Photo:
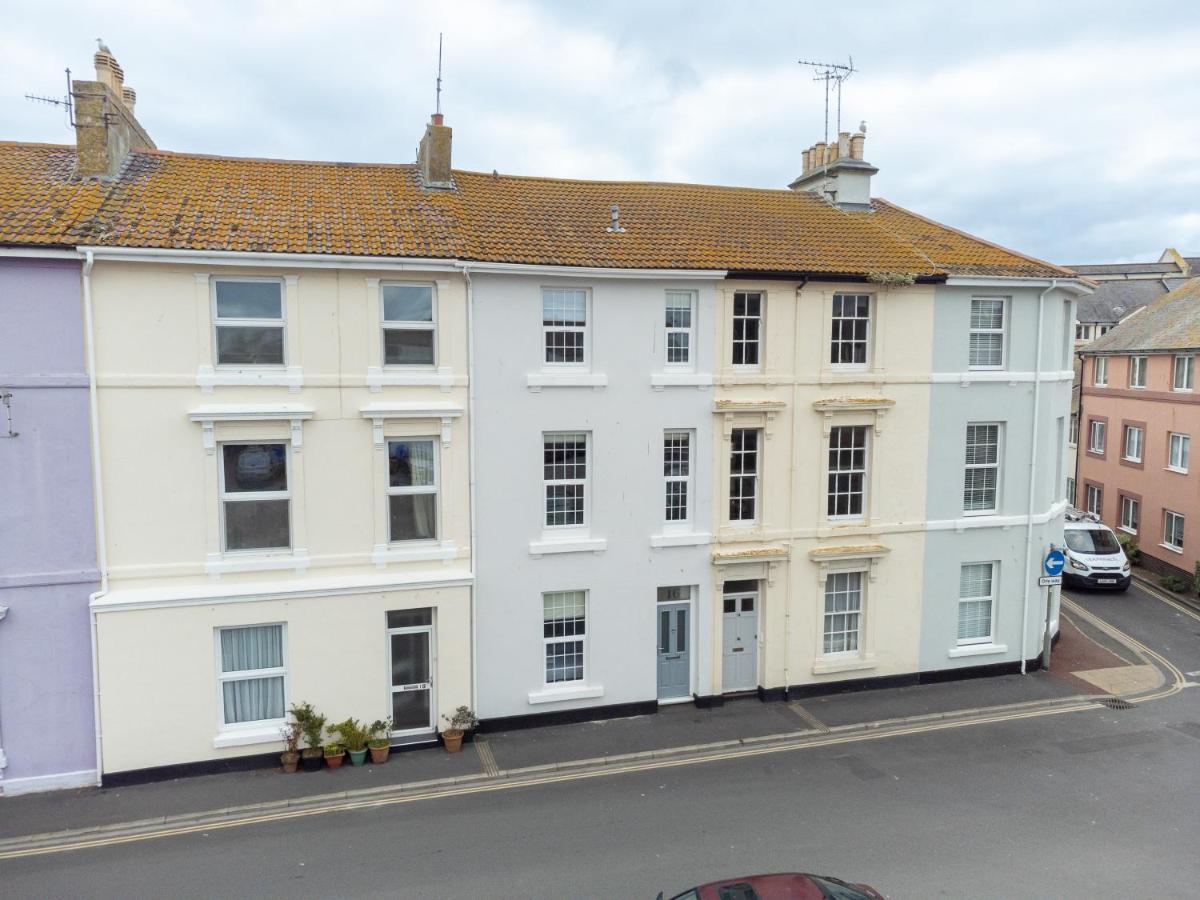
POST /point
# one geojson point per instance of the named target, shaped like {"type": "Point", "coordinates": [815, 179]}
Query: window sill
{"type": "Point", "coordinates": [1175, 470]}
{"type": "Point", "coordinates": [680, 539]}
{"type": "Point", "coordinates": [1127, 530]}
{"type": "Point", "coordinates": [221, 564]}
{"type": "Point", "coordinates": [1178, 550]}
{"type": "Point", "coordinates": [267, 734]}
{"type": "Point", "coordinates": [568, 545]}
{"type": "Point", "coordinates": [977, 650]}
{"type": "Point", "coordinates": [535, 381]}
{"type": "Point", "coordinates": [660, 380]}
{"type": "Point", "coordinates": [554, 695]}
{"type": "Point", "coordinates": [380, 377]}
{"type": "Point", "coordinates": [291, 377]}
{"type": "Point", "coordinates": [829, 665]}
{"type": "Point", "coordinates": [423, 551]}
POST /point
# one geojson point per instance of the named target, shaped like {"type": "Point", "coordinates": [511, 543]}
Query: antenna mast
{"type": "Point", "coordinates": [438, 106]}
{"type": "Point", "coordinates": [65, 102]}
{"type": "Point", "coordinates": [832, 73]}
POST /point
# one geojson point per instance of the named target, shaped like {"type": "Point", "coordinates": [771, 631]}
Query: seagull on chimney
{"type": "Point", "coordinates": [103, 46]}
{"type": "Point", "coordinates": [862, 127]}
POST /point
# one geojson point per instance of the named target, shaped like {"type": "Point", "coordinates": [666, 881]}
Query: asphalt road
{"type": "Point", "coordinates": [1085, 804]}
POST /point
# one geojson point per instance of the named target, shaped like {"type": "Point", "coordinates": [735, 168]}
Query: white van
{"type": "Point", "coordinates": [1094, 555]}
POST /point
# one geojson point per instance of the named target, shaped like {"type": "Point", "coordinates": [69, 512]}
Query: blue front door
{"type": "Point", "coordinates": [674, 651]}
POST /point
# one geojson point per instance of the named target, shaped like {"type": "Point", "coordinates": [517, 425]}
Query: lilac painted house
{"type": "Point", "coordinates": [47, 539]}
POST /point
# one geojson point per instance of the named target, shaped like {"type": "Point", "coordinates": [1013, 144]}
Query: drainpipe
{"type": "Point", "coordinates": [471, 461]}
{"type": "Point", "coordinates": [98, 503]}
{"type": "Point", "coordinates": [1033, 449]}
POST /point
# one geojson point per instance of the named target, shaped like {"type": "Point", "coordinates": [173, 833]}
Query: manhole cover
{"type": "Point", "coordinates": [1115, 703]}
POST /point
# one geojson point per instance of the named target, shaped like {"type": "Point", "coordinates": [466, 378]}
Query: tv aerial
{"type": "Point", "coordinates": [64, 101]}
{"type": "Point", "coordinates": [833, 74]}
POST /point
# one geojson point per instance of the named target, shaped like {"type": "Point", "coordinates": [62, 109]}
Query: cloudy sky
{"type": "Point", "coordinates": [1067, 130]}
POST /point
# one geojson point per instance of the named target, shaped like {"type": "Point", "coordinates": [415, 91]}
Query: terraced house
{"type": "Point", "coordinates": [395, 438]}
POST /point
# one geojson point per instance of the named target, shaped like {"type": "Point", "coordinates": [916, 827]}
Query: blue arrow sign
{"type": "Point", "coordinates": [1054, 562]}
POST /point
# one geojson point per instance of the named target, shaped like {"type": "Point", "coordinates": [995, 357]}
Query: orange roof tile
{"type": "Point", "coordinates": [188, 201]}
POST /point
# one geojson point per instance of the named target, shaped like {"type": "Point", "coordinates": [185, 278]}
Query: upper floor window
{"type": "Point", "coordinates": [409, 324]}
{"type": "Point", "coordinates": [564, 326]}
{"type": "Point", "coordinates": [1184, 372]}
{"type": "Point", "coordinates": [1135, 438]}
{"type": "Point", "coordinates": [851, 334]}
{"type": "Point", "coordinates": [847, 471]}
{"type": "Point", "coordinates": [252, 675]}
{"type": "Point", "coordinates": [987, 333]}
{"type": "Point", "coordinates": [1178, 449]}
{"type": "Point", "coordinates": [255, 500]}
{"type": "Point", "coordinates": [412, 490]}
{"type": "Point", "coordinates": [1097, 436]}
{"type": "Point", "coordinates": [248, 321]}
{"type": "Point", "coordinates": [564, 473]}
{"type": "Point", "coordinates": [1137, 371]}
{"type": "Point", "coordinates": [679, 322]}
{"type": "Point", "coordinates": [743, 475]}
{"type": "Point", "coordinates": [1100, 371]}
{"type": "Point", "coordinates": [677, 475]}
{"type": "Point", "coordinates": [982, 481]}
{"type": "Point", "coordinates": [747, 328]}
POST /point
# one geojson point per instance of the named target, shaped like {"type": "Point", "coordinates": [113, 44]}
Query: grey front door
{"type": "Point", "coordinates": [674, 651]}
{"type": "Point", "coordinates": [739, 669]}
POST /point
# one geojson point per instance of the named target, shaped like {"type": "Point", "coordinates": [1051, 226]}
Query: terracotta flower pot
{"type": "Point", "coordinates": [334, 760]}
{"type": "Point", "coordinates": [290, 760]}
{"type": "Point", "coordinates": [379, 755]}
{"type": "Point", "coordinates": [311, 759]}
{"type": "Point", "coordinates": [453, 740]}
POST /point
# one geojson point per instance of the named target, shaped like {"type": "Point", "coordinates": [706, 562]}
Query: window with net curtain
{"type": "Point", "coordinates": [412, 490]}
{"type": "Point", "coordinates": [252, 674]}
{"type": "Point", "coordinates": [975, 595]}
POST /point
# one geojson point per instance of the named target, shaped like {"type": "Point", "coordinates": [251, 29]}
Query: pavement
{"type": "Point", "coordinates": [1087, 661]}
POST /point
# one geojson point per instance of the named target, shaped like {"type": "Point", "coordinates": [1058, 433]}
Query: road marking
{"type": "Point", "coordinates": [808, 717]}
{"type": "Point", "coordinates": [1170, 601]}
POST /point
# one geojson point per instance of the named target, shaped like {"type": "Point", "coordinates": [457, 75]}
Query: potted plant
{"type": "Point", "coordinates": [353, 738]}
{"type": "Point", "coordinates": [334, 754]}
{"type": "Point", "coordinates": [378, 741]}
{"type": "Point", "coordinates": [312, 724]}
{"type": "Point", "coordinates": [290, 732]}
{"type": "Point", "coordinates": [461, 722]}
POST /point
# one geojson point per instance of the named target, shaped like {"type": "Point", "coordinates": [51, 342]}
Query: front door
{"type": "Point", "coordinates": [739, 671]}
{"type": "Point", "coordinates": [674, 651]}
{"type": "Point", "coordinates": [410, 650]}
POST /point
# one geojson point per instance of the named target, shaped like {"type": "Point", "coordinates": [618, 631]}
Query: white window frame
{"type": "Point", "coordinates": [219, 322]}
{"type": "Point", "coordinates": [1130, 514]}
{"type": "Point", "coordinates": [585, 330]}
{"type": "Point", "coordinates": [1073, 430]}
{"type": "Point", "coordinates": [989, 597]}
{"type": "Point", "coordinates": [685, 480]}
{"type": "Point", "coordinates": [1169, 517]}
{"type": "Point", "coordinates": [1070, 498]}
{"type": "Point", "coordinates": [1002, 331]}
{"type": "Point", "coordinates": [411, 490]}
{"type": "Point", "coordinates": [431, 633]}
{"type": "Point", "coordinates": [1185, 365]}
{"type": "Point", "coordinates": [864, 472]}
{"type": "Point", "coordinates": [759, 343]}
{"type": "Point", "coordinates": [1098, 429]}
{"type": "Point", "coordinates": [689, 363]}
{"type": "Point", "coordinates": [268, 727]}
{"type": "Point", "coordinates": [1093, 490]}
{"type": "Point", "coordinates": [564, 639]}
{"type": "Point", "coordinates": [756, 474]}
{"type": "Point", "coordinates": [386, 324]}
{"type": "Point", "coordinates": [1178, 462]}
{"type": "Point", "coordinates": [997, 466]}
{"type": "Point", "coordinates": [1100, 371]}
{"type": "Point", "coordinates": [866, 340]}
{"type": "Point", "coordinates": [1135, 443]}
{"type": "Point", "coordinates": [584, 483]}
{"type": "Point", "coordinates": [1137, 372]}
{"type": "Point", "coordinates": [243, 496]}
{"type": "Point", "coordinates": [860, 632]}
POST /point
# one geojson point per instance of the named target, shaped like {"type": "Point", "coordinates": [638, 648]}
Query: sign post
{"type": "Point", "coordinates": [1052, 565]}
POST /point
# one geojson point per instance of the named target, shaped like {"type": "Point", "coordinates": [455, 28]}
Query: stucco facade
{"type": "Point", "coordinates": [314, 432]}
{"type": "Point", "coordinates": [47, 544]}
{"type": "Point", "coordinates": [620, 401]}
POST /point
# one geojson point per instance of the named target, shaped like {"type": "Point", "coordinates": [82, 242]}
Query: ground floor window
{"type": "Point", "coordinates": [564, 629]}
{"type": "Point", "coordinates": [1173, 530]}
{"type": "Point", "coordinates": [1095, 499]}
{"type": "Point", "coordinates": [843, 612]}
{"type": "Point", "coordinates": [1130, 514]}
{"type": "Point", "coordinates": [252, 674]}
{"type": "Point", "coordinates": [976, 596]}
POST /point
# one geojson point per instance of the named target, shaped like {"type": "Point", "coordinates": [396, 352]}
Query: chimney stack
{"type": "Point", "coordinates": [433, 155]}
{"type": "Point", "coordinates": [105, 127]}
{"type": "Point", "coordinates": [837, 172]}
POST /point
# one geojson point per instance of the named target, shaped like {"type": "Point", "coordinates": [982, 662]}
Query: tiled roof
{"type": "Point", "coordinates": [1113, 300]}
{"type": "Point", "coordinates": [1170, 323]}
{"type": "Point", "coordinates": [187, 201]}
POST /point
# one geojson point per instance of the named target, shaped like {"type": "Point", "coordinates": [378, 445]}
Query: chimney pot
{"type": "Point", "coordinates": [436, 118]}
{"type": "Point", "coordinates": [818, 154]}
{"type": "Point", "coordinates": [129, 95]}
{"type": "Point", "coordinates": [843, 148]}
{"type": "Point", "coordinates": [856, 145]}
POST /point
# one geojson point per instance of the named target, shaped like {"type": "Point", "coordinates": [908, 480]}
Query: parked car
{"type": "Point", "coordinates": [780, 886]}
{"type": "Point", "coordinates": [1094, 555]}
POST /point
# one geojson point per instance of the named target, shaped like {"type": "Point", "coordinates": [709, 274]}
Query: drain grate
{"type": "Point", "coordinates": [1115, 703]}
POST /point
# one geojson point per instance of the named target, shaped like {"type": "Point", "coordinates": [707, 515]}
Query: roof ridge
{"type": "Point", "coordinates": [183, 154]}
